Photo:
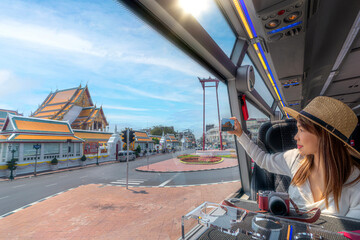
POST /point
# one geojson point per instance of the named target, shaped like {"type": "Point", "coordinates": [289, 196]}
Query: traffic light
{"type": "Point", "coordinates": [131, 136]}
{"type": "Point", "coordinates": [123, 136]}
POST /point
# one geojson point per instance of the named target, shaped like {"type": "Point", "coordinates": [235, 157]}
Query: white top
{"type": "Point", "coordinates": [287, 163]}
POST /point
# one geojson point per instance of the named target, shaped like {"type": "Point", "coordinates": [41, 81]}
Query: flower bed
{"type": "Point", "coordinates": [201, 160]}
{"type": "Point", "coordinates": [228, 156]}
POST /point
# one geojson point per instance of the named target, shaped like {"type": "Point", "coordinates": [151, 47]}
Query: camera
{"type": "Point", "coordinates": [275, 202]}
{"type": "Point", "coordinates": [227, 124]}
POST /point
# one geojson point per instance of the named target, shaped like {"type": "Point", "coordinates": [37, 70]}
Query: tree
{"type": "Point", "coordinates": [156, 141]}
{"type": "Point", "coordinates": [138, 149]}
{"type": "Point", "coordinates": [158, 130]}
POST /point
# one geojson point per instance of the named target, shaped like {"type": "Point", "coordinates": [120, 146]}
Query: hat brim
{"type": "Point", "coordinates": [295, 114]}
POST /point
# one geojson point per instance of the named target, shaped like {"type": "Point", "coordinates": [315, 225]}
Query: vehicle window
{"type": "Point", "coordinates": [256, 118]}
{"type": "Point", "coordinates": [100, 69]}
{"type": "Point", "coordinates": [211, 19]}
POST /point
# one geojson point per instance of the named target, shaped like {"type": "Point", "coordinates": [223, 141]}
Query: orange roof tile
{"type": "Point", "coordinates": [42, 126]}
{"type": "Point", "coordinates": [63, 96]}
{"type": "Point", "coordinates": [42, 114]}
{"type": "Point", "coordinates": [4, 137]}
{"type": "Point", "coordinates": [53, 107]}
{"type": "Point", "coordinates": [85, 112]}
{"type": "Point", "coordinates": [140, 134]}
{"type": "Point", "coordinates": [144, 140]}
{"type": "Point", "coordinates": [77, 95]}
{"type": "Point", "coordinates": [43, 137]}
{"type": "Point", "coordinates": [87, 135]}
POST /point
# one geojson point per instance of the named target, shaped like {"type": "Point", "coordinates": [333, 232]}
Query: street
{"type": "Point", "coordinates": [21, 192]}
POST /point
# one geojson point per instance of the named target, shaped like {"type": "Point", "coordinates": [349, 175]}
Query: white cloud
{"type": "Point", "coordinates": [134, 118]}
{"type": "Point", "coordinates": [47, 36]}
{"type": "Point", "coordinates": [124, 108]}
{"type": "Point", "coordinates": [174, 97]}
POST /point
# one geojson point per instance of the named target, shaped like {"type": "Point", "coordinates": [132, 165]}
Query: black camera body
{"type": "Point", "coordinates": [278, 203]}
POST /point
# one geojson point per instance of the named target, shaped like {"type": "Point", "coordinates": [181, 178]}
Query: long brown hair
{"type": "Point", "coordinates": [337, 162]}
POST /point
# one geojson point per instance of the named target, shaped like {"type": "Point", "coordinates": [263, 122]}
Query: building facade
{"type": "Point", "coordinates": [74, 105]}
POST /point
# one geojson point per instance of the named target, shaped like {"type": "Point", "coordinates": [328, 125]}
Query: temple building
{"type": "Point", "coordinates": [3, 114]}
{"type": "Point", "coordinates": [144, 141]}
{"type": "Point", "coordinates": [74, 105]}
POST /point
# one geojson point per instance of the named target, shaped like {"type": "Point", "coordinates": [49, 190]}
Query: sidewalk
{"type": "Point", "coordinates": [174, 165]}
{"type": "Point", "coordinates": [112, 212]}
{"type": "Point", "coordinates": [29, 175]}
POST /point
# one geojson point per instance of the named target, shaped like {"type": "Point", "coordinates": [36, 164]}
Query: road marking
{"type": "Point", "coordinates": [19, 186]}
{"type": "Point", "coordinates": [51, 185]}
{"type": "Point", "coordinates": [166, 182]}
{"type": "Point", "coordinates": [124, 183]}
{"type": "Point", "coordinates": [83, 177]}
{"type": "Point", "coordinates": [4, 197]}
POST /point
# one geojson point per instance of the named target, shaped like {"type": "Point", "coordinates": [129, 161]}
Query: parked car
{"type": "Point", "coordinates": [122, 156]}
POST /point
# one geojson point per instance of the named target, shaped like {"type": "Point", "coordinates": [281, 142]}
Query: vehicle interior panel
{"type": "Point", "coordinates": [276, 136]}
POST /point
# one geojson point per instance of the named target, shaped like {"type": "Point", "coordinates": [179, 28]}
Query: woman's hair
{"type": "Point", "coordinates": [337, 162]}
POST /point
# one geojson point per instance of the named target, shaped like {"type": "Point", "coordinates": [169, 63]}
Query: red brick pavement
{"type": "Point", "coordinates": [111, 212]}
{"type": "Point", "coordinates": [174, 165]}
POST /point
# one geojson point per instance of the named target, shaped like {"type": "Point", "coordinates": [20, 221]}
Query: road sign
{"type": "Point", "coordinates": [37, 146]}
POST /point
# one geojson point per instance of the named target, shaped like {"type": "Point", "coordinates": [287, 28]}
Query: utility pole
{"type": "Point", "coordinates": [127, 158]}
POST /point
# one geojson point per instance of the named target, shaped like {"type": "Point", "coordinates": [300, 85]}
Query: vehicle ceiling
{"type": "Point", "coordinates": [319, 56]}
{"type": "Point", "coordinates": [319, 50]}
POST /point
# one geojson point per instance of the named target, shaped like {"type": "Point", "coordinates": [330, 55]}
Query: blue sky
{"type": "Point", "coordinates": [139, 78]}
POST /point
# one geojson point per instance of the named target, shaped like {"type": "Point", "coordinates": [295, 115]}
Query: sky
{"type": "Point", "coordinates": [137, 76]}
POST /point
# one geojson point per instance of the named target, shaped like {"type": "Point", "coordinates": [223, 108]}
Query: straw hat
{"type": "Point", "coordinates": [332, 115]}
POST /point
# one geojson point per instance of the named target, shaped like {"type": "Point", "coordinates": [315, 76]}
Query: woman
{"type": "Point", "coordinates": [323, 173]}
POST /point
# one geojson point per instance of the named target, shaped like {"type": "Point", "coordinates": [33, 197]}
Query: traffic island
{"type": "Point", "coordinates": [175, 165]}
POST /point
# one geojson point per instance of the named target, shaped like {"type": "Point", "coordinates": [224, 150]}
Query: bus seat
{"type": "Point", "coordinates": [276, 136]}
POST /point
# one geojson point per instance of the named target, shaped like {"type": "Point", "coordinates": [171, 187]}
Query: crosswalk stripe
{"type": "Point", "coordinates": [121, 183]}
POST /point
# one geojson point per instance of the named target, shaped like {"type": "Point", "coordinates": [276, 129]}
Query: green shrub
{"type": "Point", "coordinates": [138, 149]}
{"type": "Point", "coordinates": [54, 161]}
{"type": "Point", "coordinates": [83, 158]}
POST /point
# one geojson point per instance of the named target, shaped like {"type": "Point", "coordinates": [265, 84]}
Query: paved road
{"type": "Point", "coordinates": [21, 192]}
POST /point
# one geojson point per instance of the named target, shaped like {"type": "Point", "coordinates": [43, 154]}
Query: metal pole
{"type": "Point", "coordinates": [35, 162]}
{"type": "Point", "coordinates": [203, 115]}
{"type": "Point", "coordinates": [217, 99]}
{"type": "Point", "coordinates": [147, 160]}
{"type": "Point", "coordinates": [127, 159]}
{"type": "Point", "coordinates": [97, 158]}
{"type": "Point", "coordinates": [67, 154]}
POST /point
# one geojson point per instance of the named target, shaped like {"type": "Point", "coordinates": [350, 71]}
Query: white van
{"type": "Point", "coordinates": [122, 156]}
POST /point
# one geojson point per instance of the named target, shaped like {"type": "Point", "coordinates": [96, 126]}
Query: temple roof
{"type": "Point", "coordinates": [3, 114]}
{"type": "Point", "coordinates": [28, 129]}
{"type": "Point", "coordinates": [93, 136]}
{"type": "Point", "coordinates": [88, 115]}
{"type": "Point", "coordinates": [58, 103]}
{"type": "Point", "coordinates": [172, 138]}
{"type": "Point", "coordinates": [142, 137]}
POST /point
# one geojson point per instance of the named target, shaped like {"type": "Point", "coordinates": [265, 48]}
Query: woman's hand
{"type": "Point", "coordinates": [238, 130]}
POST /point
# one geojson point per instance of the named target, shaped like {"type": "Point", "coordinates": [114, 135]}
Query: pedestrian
{"type": "Point", "coordinates": [322, 170]}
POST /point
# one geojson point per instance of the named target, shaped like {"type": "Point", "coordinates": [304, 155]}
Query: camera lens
{"type": "Point", "coordinates": [277, 206]}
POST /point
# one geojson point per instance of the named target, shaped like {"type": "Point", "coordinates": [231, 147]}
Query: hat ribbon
{"type": "Point", "coordinates": [325, 125]}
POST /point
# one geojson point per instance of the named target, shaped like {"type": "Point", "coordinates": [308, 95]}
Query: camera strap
{"type": "Point", "coordinates": [315, 216]}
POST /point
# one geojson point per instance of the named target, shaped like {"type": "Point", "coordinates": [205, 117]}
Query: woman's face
{"type": "Point", "coordinates": [307, 142]}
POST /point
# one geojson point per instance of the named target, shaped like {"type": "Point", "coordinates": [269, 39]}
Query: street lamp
{"type": "Point", "coordinates": [12, 166]}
